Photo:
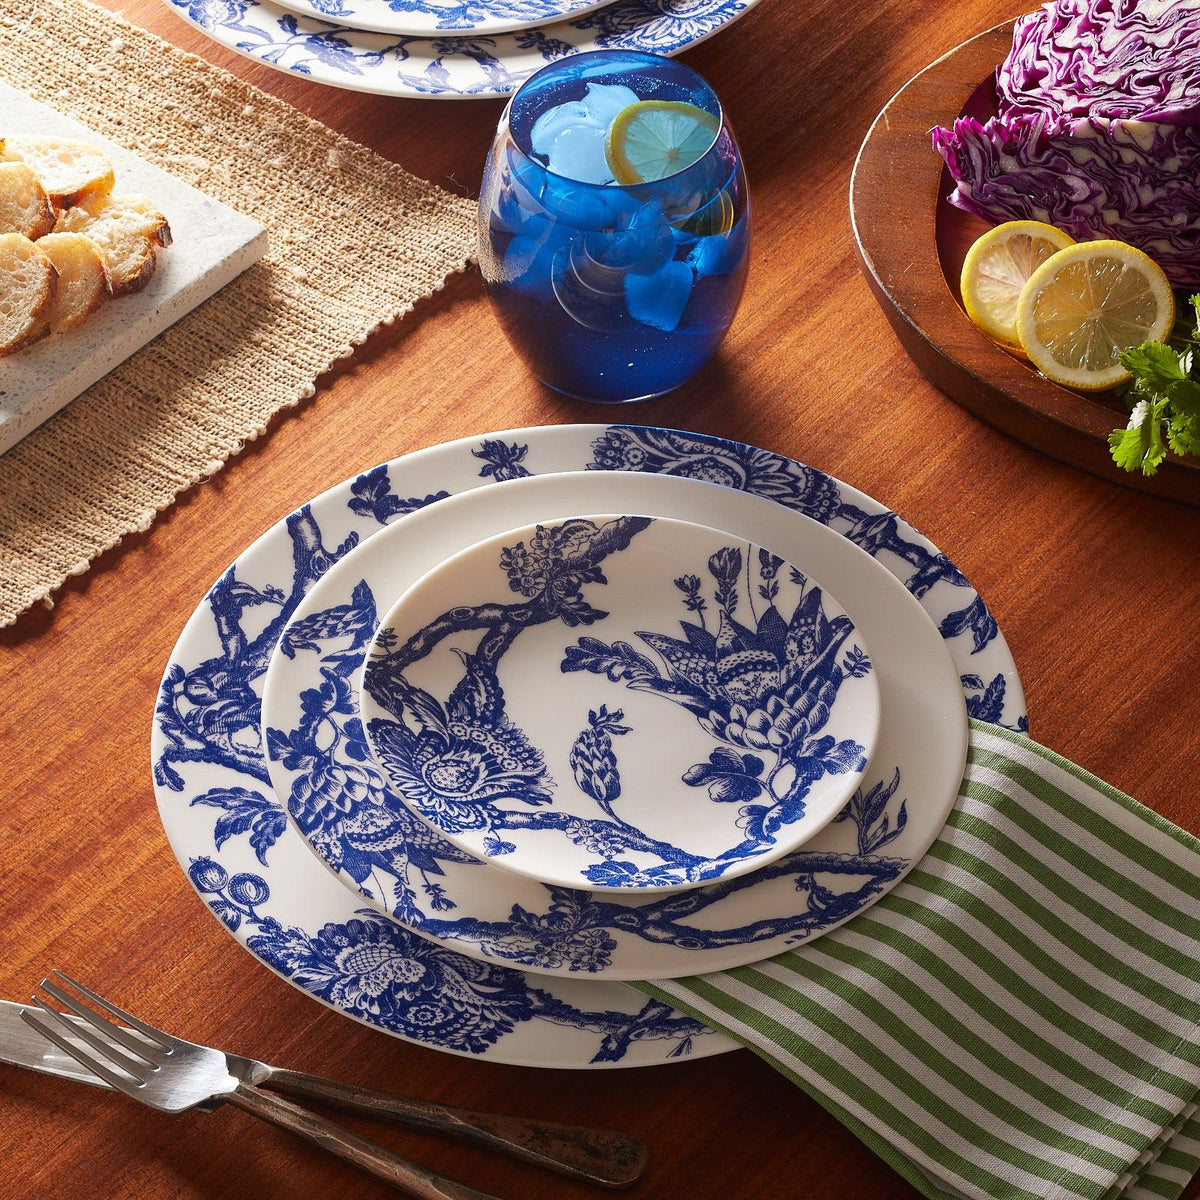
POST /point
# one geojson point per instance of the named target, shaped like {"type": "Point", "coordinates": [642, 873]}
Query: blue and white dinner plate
{"type": "Point", "coordinates": [442, 18]}
{"type": "Point", "coordinates": [312, 730]}
{"type": "Point", "coordinates": [257, 875]}
{"type": "Point", "coordinates": [448, 67]}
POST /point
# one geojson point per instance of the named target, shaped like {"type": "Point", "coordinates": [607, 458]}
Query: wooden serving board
{"type": "Point", "coordinates": [911, 242]}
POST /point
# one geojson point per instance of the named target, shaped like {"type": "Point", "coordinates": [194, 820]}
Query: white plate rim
{"type": "Point", "coordinates": [377, 16]}
{"type": "Point", "coordinates": [313, 49]}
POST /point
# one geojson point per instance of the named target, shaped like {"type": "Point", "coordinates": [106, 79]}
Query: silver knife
{"type": "Point", "coordinates": [21, 1046]}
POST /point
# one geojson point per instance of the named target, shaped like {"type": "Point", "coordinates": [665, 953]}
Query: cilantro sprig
{"type": "Point", "coordinates": [1165, 397]}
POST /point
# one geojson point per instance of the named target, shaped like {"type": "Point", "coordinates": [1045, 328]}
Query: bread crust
{"type": "Point", "coordinates": [136, 280]}
{"type": "Point", "coordinates": [94, 185]}
{"type": "Point", "coordinates": [24, 205]}
{"type": "Point", "coordinates": [81, 272]}
{"type": "Point", "coordinates": [131, 269]}
{"type": "Point", "coordinates": [37, 325]}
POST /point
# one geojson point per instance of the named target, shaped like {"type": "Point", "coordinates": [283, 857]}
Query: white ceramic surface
{"type": "Point", "coordinates": [313, 731]}
{"type": "Point", "coordinates": [745, 720]}
{"type": "Point", "coordinates": [212, 245]}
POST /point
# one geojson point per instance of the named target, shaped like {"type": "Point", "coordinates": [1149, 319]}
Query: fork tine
{"type": "Point", "coordinates": [106, 1027]}
{"type": "Point", "coordinates": [134, 1069]}
{"type": "Point", "coordinates": [155, 1035]}
{"type": "Point", "coordinates": [123, 1083]}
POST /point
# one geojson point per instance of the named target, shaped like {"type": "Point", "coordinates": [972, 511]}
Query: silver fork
{"type": "Point", "coordinates": [172, 1075]}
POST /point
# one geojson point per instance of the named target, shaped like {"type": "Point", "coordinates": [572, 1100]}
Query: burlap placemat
{"type": "Point", "coordinates": [355, 242]}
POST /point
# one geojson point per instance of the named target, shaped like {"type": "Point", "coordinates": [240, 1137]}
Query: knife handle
{"type": "Point", "coordinates": [599, 1156]}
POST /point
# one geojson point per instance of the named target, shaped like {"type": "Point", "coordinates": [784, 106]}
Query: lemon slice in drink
{"type": "Point", "coordinates": [1086, 304]}
{"type": "Point", "coordinates": [996, 268]}
{"type": "Point", "coordinates": [652, 139]}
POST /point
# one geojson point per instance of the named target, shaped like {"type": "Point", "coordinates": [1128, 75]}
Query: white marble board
{"type": "Point", "coordinates": [213, 244]}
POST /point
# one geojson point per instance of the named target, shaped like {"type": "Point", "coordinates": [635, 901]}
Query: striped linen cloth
{"type": "Point", "coordinates": [1017, 1019]}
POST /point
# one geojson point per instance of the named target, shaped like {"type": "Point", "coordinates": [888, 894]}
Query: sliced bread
{"type": "Point", "coordinates": [24, 206]}
{"type": "Point", "coordinates": [127, 229]}
{"type": "Point", "coordinates": [27, 287]}
{"type": "Point", "coordinates": [82, 279]}
{"type": "Point", "coordinates": [70, 171]}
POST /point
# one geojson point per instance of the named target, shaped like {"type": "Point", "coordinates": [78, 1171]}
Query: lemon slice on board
{"type": "Point", "coordinates": [996, 268]}
{"type": "Point", "coordinates": [1086, 304]}
{"type": "Point", "coordinates": [652, 139]}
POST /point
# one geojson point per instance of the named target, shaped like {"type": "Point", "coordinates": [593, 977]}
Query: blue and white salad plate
{"type": "Point", "coordinates": [447, 67]}
{"type": "Point", "coordinates": [441, 18]}
{"type": "Point", "coordinates": [258, 876]}
{"type": "Point", "coordinates": [619, 702]}
{"type": "Point", "coordinates": [312, 727]}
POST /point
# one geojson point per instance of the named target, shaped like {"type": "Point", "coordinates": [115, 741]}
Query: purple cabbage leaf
{"type": "Point", "coordinates": [1097, 129]}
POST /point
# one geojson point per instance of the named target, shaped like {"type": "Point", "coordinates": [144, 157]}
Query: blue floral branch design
{"type": "Point", "coordinates": [210, 714]}
{"type": "Point", "coordinates": [370, 967]}
{"type": "Point", "coordinates": [373, 497]}
{"type": "Point", "coordinates": [247, 812]}
{"type": "Point", "coordinates": [502, 460]}
{"type": "Point", "coordinates": [576, 931]}
{"type": "Point", "coordinates": [593, 760]}
{"type": "Point", "coordinates": [456, 759]}
{"type": "Point", "coordinates": [767, 688]}
{"type": "Point", "coordinates": [770, 687]}
{"type": "Point", "coordinates": [467, 64]}
{"type": "Point", "coordinates": [750, 469]}
{"type": "Point", "coordinates": [869, 813]}
{"type": "Point", "coordinates": [338, 797]}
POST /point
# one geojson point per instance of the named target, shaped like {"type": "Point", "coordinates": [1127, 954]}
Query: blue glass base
{"type": "Point", "coordinates": [608, 400]}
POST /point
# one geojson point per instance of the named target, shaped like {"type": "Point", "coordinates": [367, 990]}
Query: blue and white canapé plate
{"type": "Point", "coordinates": [447, 67]}
{"type": "Point", "coordinates": [312, 723]}
{"type": "Point", "coordinates": [254, 871]}
{"type": "Point", "coordinates": [484, 705]}
{"type": "Point", "coordinates": [439, 18]}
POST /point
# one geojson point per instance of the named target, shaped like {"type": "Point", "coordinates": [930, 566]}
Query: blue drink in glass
{"type": "Point", "coordinates": [610, 291]}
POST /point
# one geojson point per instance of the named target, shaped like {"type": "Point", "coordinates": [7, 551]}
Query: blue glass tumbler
{"type": "Point", "coordinates": [610, 292]}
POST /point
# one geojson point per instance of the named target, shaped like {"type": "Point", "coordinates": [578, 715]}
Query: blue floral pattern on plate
{"type": "Point", "coordinates": [432, 18]}
{"type": "Point", "coordinates": [258, 876]}
{"type": "Point", "coordinates": [769, 677]}
{"type": "Point", "coordinates": [448, 66]}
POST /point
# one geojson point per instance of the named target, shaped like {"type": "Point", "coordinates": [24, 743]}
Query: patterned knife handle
{"type": "Point", "coordinates": [600, 1156]}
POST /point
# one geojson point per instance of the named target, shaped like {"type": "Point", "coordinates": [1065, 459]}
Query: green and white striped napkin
{"type": "Point", "coordinates": [1017, 1019]}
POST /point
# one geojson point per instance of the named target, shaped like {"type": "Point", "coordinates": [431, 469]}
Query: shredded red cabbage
{"type": "Point", "coordinates": [1097, 130]}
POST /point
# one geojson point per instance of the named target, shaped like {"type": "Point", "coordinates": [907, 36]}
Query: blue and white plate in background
{"type": "Point", "coordinates": [448, 67]}
{"type": "Point", "coordinates": [442, 18]}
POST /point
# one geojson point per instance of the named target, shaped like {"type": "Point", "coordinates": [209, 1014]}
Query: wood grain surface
{"type": "Point", "coordinates": [914, 267]}
{"type": "Point", "coordinates": [1096, 587]}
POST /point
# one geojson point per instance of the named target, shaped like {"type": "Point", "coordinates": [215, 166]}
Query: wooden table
{"type": "Point", "coordinates": [1097, 590]}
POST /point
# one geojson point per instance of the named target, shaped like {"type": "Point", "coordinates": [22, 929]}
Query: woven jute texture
{"type": "Point", "coordinates": [355, 242]}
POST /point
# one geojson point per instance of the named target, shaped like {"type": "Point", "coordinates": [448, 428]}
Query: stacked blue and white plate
{"type": "Point", "coordinates": [472, 738]}
{"type": "Point", "coordinates": [447, 49]}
